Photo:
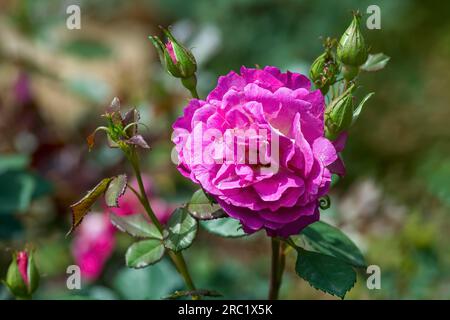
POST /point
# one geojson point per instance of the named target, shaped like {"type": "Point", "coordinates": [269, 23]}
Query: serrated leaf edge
{"type": "Point", "coordinates": [121, 193]}
{"type": "Point", "coordinates": [114, 223]}
{"type": "Point", "coordinates": [332, 294]}
{"type": "Point", "coordinates": [148, 264]}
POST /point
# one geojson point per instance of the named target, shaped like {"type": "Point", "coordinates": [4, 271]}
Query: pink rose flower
{"type": "Point", "coordinates": [281, 201]}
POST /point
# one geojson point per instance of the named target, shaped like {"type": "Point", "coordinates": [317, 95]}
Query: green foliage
{"type": "Point", "coordinates": [18, 188]}
{"type": "Point", "coordinates": [115, 190]}
{"type": "Point", "coordinates": [330, 267]}
{"type": "Point", "coordinates": [325, 273]}
{"type": "Point", "coordinates": [13, 162]}
{"type": "Point", "coordinates": [16, 191]}
{"type": "Point", "coordinates": [143, 253]}
{"type": "Point", "coordinates": [135, 225]}
{"type": "Point", "coordinates": [224, 227]}
{"type": "Point", "coordinates": [375, 62]}
{"type": "Point", "coordinates": [153, 282]}
{"type": "Point", "coordinates": [181, 230]}
{"type": "Point", "coordinates": [329, 240]}
{"type": "Point", "coordinates": [202, 208]}
{"type": "Point", "coordinates": [360, 106]}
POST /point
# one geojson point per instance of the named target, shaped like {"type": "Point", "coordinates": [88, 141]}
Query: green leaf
{"type": "Point", "coordinates": [329, 240]}
{"type": "Point", "coordinates": [144, 253]}
{"type": "Point", "coordinates": [116, 189]}
{"type": "Point", "coordinates": [153, 282]}
{"type": "Point", "coordinates": [135, 225]}
{"type": "Point", "coordinates": [224, 227]}
{"type": "Point", "coordinates": [82, 207]}
{"type": "Point", "coordinates": [19, 186]}
{"type": "Point", "coordinates": [325, 273]}
{"type": "Point", "coordinates": [181, 230]}
{"type": "Point", "coordinates": [43, 186]}
{"type": "Point", "coordinates": [13, 162]}
{"type": "Point", "coordinates": [375, 62]}
{"type": "Point", "coordinates": [16, 191]}
{"type": "Point", "coordinates": [202, 208]}
{"type": "Point", "coordinates": [359, 108]}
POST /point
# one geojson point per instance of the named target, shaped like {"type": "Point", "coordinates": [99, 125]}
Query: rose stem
{"type": "Point", "coordinates": [176, 257]}
{"type": "Point", "coordinates": [277, 268]}
{"type": "Point", "coordinates": [194, 93]}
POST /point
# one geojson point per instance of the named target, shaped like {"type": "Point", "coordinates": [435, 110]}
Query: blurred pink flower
{"type": "Point", "coordinates": [95, 239]}
{"type": "Point", "coordinates": [93, 244]}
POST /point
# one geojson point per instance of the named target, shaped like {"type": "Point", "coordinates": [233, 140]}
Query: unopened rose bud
{"type": "Point", "coordinates": [22, 277]}
{"type": "Point", "coordinates": [349, 72]}
{"type": "Point", "coordinates": [339, 114]}
{"type": "Point", "coordinates": [352, 50]}
{"type": "Point", "coordinates": [323, 71]}
{"type": "Point", "coordinates": [177, 59]}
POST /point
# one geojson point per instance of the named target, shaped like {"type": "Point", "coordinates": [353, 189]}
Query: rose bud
{"type": "Point", "coordinates": [323, 71]}
{"type": "Point", "coordinates": [22, 277]}
{"type": "Point", "coordinates": [339, 114]}
{"type": "Point", "coordinates": [352, 50]}
{"type": "Point", "coordinates": [177, 59]}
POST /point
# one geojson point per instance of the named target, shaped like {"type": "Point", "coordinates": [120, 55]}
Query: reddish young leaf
{"type": "Point", "coordinates": [82, 207]}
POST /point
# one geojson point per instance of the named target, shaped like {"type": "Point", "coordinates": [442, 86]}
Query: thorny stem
{"type": "Point", "coordinates": [176, 257]}
{"type": "Point", "coordinates": [143, 198]}
{"type": "Point", "coordinates": [277, 267]}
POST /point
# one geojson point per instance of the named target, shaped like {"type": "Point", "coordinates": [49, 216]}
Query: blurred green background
{"type": "Point", "coordinates": [54, 84]}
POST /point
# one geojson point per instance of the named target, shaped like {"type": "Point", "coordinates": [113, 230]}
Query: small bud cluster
{"type": "Point", "coordinates": [121, 128]}
{"type": "Point", "coordinates": [324, 69]}
{"type": "Point", "coordinates": [338, 69]}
